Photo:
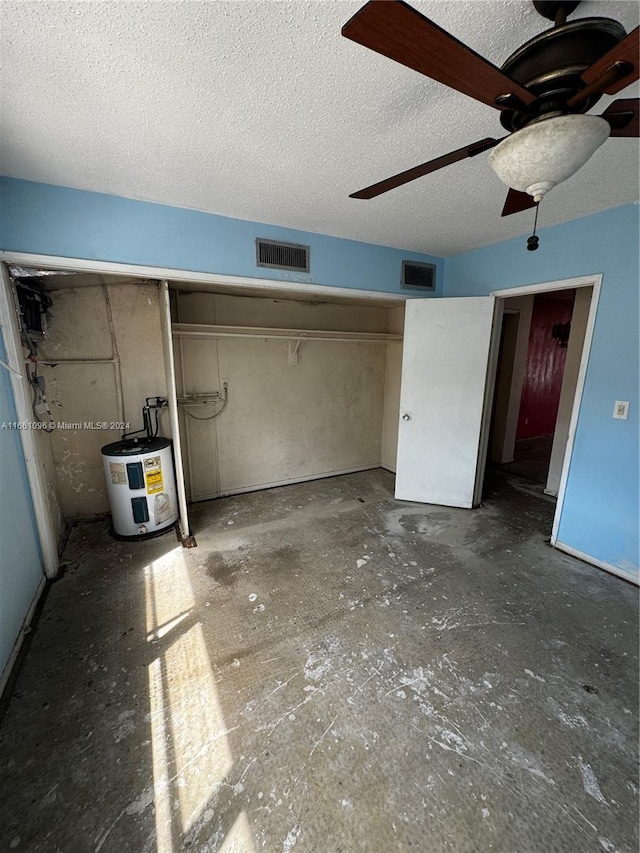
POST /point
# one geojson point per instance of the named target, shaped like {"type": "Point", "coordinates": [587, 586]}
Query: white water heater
{"type": "Point", "coordinates": [141, 484]}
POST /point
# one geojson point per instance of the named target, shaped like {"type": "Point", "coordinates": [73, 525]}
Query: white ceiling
{"type": "Point", "coordinates": [261, 110]}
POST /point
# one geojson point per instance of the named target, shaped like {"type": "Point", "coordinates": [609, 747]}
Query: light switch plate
{"type": "Point", "coordinates": [621, 410]}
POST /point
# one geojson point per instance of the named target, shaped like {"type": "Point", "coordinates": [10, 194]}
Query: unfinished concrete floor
{"type": "Point", "coordinates": [330, 670]}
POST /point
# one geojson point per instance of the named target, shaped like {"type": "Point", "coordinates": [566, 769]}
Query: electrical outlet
{"type": "Point", "coordinates": [621, 410]}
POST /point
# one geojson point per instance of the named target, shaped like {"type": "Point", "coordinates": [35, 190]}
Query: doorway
{"type": "Point", "coordinates": [537, 378]}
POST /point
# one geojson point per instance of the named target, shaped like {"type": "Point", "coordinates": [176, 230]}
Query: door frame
{"type": "Point", "coordinates": [595, 282]}
{"type": "Point", "coordinates": [9, 322]}
{"type": "Point", "coordinates": [21, 394]}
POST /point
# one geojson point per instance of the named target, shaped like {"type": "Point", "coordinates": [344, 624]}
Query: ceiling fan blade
{"type": "Point", "coordinates": [517, 201]}
{"type": "Point", "coordinates": [401, 33]}
{"type": "Point", "coordinates": [623, 116]}
{"type": "Point", "coordinates": [424, 169]}
{"type": "Point", "coordinates": [627, 52]}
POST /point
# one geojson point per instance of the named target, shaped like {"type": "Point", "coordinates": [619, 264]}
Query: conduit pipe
{"type": "Point", "coordinates": [116, 355]}
{"type": "Point", "coordinates": [54, 362]}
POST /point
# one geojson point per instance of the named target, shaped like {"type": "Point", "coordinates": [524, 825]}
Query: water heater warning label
{"type": "Point", "coordinates": [118, 473]}
{"type": "Point", "coordinates": [153, 474]}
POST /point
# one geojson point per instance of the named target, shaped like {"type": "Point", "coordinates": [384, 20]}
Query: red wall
{"type": "Point", "coordinates": [544, 367]}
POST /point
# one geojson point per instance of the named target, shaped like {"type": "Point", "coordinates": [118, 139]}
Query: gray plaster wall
{"type": "Point", "coordinates": [97, 318]}
{"type": "Point", "coordinates": [50, 480]}
{"type": "Point", "coordinates": [284, 421]}
{"type": "Point", "coordinates": [579, 320]}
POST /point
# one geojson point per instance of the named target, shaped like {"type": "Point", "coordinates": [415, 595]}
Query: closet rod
{"type": "Point", "coordinates": [182, 331]}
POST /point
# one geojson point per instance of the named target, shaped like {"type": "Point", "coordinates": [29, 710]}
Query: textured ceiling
{"type": "Point", "coordinates": [261, 110]}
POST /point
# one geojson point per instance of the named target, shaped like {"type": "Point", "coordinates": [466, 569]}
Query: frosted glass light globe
{"type": "Point", "coordinates": [541, 155]}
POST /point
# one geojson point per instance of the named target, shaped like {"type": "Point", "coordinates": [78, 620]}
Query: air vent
{"type": "Point", "coordinates": [282, 256]}
{"type": "Point", "coordinates": [417, 276]}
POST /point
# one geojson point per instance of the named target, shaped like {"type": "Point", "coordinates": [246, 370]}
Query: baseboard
{"type": "Point", "coordinates": [26, 624]}
{"type": "Point", "coordinates": [632, 577]}
{"type": "Point", "coordinates": [388, 468]}
{"type": "Point", "coordinates": [292, 482]}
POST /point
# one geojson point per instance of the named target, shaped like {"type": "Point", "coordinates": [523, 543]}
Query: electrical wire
{"type": "Point", "coordinates": [10, 369]}
{"type": "Point", "coordinates": [151, 432]}
{"type": "Point", "coordinates": [38, 398]}
{"type": "Point", "coordinates": [148, 429]}
{"type": "Point", "coordinates": [225, 399]}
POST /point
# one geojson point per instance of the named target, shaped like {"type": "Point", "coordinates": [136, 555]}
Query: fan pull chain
{"type": "Point", "coordinates": [533, 241]}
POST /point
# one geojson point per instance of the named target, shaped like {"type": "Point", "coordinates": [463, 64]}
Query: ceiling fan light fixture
{"type": "Point", "coordinates": [540, 156]}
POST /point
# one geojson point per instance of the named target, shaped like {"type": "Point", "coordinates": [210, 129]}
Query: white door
{"type": "Point", "coordinates": [448, 350]}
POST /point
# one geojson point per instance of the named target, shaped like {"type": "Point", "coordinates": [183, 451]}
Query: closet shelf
{"type": "Point", "coordinates": [196, 330]}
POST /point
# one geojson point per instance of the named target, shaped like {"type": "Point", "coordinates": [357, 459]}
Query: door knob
{"type": "Point", "coordinates": [406, 417]}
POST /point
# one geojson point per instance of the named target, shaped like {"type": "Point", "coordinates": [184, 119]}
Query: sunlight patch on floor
{"type": "Point", "coordinates": [161, 772]}
{"type": "Point", "coordinates": [239, 838]}
{"type": "Point", "coordinates": [190, 750]}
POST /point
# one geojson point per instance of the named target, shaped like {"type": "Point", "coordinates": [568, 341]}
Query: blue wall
{"type": "Point", "coordinates": [20, 562]}
{"type": "Point", "coordinates": [600, 514]}
{"type": "Point", "coordinates": [75, 224]}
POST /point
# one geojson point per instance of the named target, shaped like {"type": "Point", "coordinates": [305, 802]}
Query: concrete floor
{"type": "Point", "coordinates": [531, 459]}
{"type": "Point", "coordinates": [329, 671]}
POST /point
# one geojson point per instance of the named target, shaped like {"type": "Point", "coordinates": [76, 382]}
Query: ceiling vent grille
{"type": "Point", "coordinates": [282, 256]}
{"type": "Point", "coordinates": [417, 276]}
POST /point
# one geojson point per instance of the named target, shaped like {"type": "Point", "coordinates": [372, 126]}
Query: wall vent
{"type": "Point", "coordinates": [417, 276]}
{"type": "Point", "coordinates": [282, 256]}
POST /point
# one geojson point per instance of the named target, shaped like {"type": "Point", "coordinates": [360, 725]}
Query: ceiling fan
{"type": "Point", "coordinates": [542, 91]}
